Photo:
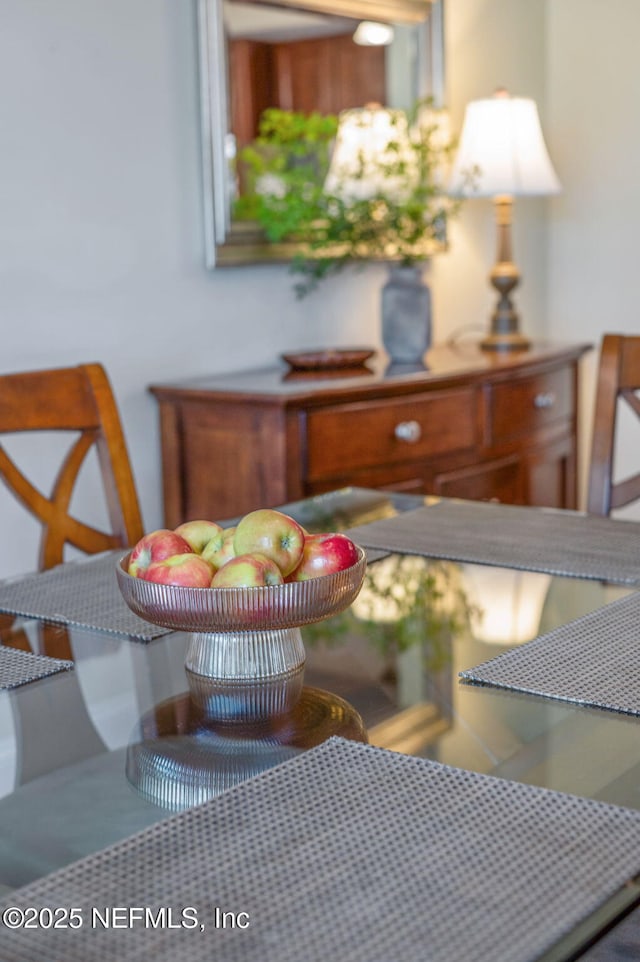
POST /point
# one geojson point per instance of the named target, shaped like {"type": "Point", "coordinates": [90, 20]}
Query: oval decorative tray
{"type": "Point", "coordinates": [328, 360]}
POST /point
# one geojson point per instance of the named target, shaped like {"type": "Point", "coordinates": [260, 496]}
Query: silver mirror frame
{"type": "Point", "coordinates": [242, 243]}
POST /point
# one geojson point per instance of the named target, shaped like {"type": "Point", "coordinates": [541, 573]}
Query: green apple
{"type": "Point", "coordinates": [220, 549]}
{"type": "Point", "coordinates": [248, 571]}
{"type": "Point", "coordinates": [198, 533]}
{"type": "Point", "coordinates": [273, 534]}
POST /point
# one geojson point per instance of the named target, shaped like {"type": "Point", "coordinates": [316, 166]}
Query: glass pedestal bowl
{"type": "Point", "coordinates": [247, 708]}
{"type": "Point", "coordinates": [243, 634]}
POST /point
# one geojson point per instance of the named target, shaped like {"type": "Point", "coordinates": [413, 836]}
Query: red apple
{"type": "Point", "coordinates": [247, 571]}
{"type": "Point", "coordinates": [324, 554]}
{"type": "Point", "coordinates": [220, 549]}
{"type": "Point", "coordinates": [198, 533]}
{"type": "Point", "coordinates": [273, 534]}
{"type": "Point", "coordinates": [188, 570]}
{"type": "Point", "coordinates": [156, 546]}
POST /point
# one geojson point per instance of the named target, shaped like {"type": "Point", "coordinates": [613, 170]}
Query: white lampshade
{"type": "Point", "coordinates": [368, 139]}
{"type": "Point", "coordinates": [502, 143]}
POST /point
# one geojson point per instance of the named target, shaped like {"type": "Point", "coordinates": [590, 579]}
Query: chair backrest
{"type": "Point", "coordinates": [79, 400]}
{"type": "Point", "coordinates": [617, 383]}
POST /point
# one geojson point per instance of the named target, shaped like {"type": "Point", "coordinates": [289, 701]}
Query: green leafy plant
{"type": "Point", "coordinates": [290, 154]}
{"type": "Point", "coordinates": [406, 602]}
{"type": "Point", "coordinates": [402, 218]}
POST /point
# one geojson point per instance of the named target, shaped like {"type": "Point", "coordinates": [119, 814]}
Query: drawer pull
{"type": "Point", "coordinates": [545, 400]}
{"type": "Point", "coordinates": [409, 431]}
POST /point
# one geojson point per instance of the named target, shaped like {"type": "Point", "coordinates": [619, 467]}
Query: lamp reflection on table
{"type": "Point", "coordinates": [508, 603]}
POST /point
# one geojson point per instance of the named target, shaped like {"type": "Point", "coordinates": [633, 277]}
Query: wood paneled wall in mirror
{"type": "Point", "coordinates": [307, 57]}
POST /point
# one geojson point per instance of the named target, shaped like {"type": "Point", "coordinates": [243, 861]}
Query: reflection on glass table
{"type": "Point", "coordinates": [196, 745]}
{"type": "Point", "coordinates": [85, 748]}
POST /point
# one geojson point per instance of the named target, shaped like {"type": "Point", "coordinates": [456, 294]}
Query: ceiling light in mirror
{"type": "Point", "coordinates": [371, 34]}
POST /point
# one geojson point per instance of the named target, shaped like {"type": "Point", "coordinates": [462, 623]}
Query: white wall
{"type": "Point", "coordinates": [100, 232]}
{"type": "Point", "coordinates": [101, 251]}
{"type": "Point", "coordinates": [593, 81]}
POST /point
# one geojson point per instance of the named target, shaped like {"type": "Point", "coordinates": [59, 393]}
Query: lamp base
{"type": "Point", "coordinates": [505, 341]}
{"type": "Point", "coordinates": [504, 334]}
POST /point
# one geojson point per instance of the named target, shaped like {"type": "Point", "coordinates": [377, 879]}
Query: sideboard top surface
{"type": "Point", "coordinates": [444, 365]}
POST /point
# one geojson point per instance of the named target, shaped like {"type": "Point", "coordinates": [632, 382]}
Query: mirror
{"type": "Point", "coordinates": [298, 55]}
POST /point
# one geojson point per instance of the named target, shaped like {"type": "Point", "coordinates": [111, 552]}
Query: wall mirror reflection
{"type": "Point", "coordinates": [309, 56]}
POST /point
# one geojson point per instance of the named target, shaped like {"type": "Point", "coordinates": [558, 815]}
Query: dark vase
{"type": "Point", "coordinates": [406, 315]}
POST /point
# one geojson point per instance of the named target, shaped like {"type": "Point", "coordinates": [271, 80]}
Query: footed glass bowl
{"type": "Point", "coordinates": [243, 633]}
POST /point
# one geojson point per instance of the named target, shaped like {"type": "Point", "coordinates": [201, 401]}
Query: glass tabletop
{"type": "Point", "coordinates": [89, 756]}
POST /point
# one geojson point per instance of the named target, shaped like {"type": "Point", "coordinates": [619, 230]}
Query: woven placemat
{"type": "Point", "coordinates": [534, 539]}
{"type": "Point", "coordinates": [83, 593]}
{"type": "Point", "coordinates": [20, 667]}
{"type": "Point", "coordinates": [346, 852]}
{"type": "Point", "coordinates": [594, 660]}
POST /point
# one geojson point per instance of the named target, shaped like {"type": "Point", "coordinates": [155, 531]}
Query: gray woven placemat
{"type": "Point", "coordinates": [346, 852]}
{"type": "Point", "coordinates": [83, 593]}
{"type": "Point", "coordinates": [20, 667]}
{"type": "Point", "coordinates": [534, 539]}
{"type": "Point", "coordinates": [594, 660]}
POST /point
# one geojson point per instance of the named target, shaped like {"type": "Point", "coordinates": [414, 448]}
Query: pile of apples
{"type": "Point", "coordinates": [266, 547]}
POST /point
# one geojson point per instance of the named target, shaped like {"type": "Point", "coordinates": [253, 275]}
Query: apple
{"type": "Point", "coordinates": [248, 571]}
{"type": "Point", "coordinates": [323, 554]}
{"type": "Point", "coordinates": [198, 533]}
{"type": "Point", "coordinates": [220, 549]}
{"type": "Point", "coordinates": [188, 570]}
{"type": "Point", "coordinates": [156, 546]}
{"type": "Point", "coordinates": [273, 534]}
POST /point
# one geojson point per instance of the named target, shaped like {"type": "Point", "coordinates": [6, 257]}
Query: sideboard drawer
{"type": "Point", "coordinates": [501, 480]}
{"type": "Point", "coordinates": [519, 407]}
{"type": "Point", "coordinates": [352, 436]}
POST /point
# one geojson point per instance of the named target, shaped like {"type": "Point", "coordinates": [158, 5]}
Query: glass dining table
{"type": "Point", "coordinates": [91, 755]}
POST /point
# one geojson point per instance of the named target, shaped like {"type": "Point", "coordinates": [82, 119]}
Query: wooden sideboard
{"type": "Point", "coordinates": [472, 424]}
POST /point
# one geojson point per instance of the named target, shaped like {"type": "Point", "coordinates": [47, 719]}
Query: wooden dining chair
{"type": "Point", "coordinates": [78, 400]}
{"type": "Point", "coordinates": [617, 383]}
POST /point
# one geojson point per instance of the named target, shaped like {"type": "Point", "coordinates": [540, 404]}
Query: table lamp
{"type": "Point", "coordinates": [502, 154]}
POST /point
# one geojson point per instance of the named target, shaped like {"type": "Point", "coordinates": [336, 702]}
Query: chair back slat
{"type": "Point", "coordinates": [629, 378]}
{"type": "Point", "coordinates": [79, 400]}
{"type": "Point", "coordinates": [617, 383]}
{"type": "Point", "coordinates": [56, 400]}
